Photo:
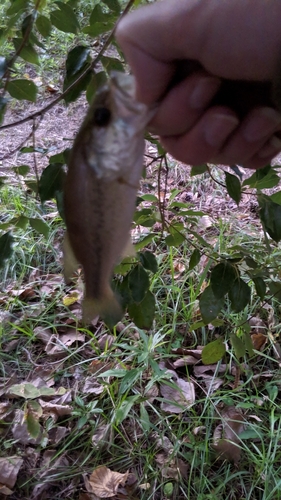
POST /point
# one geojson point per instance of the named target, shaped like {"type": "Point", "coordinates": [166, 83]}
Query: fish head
{"type": "Point", "coordinates": [115, 128]}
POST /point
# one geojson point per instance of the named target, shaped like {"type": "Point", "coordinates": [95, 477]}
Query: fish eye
{"type": "Point", "coordinates": [102, 116]}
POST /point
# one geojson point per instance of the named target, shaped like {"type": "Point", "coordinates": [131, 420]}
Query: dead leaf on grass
{"type": "Point", "coordinates": [259, 340]}
{"type": "Point", "coordinates": [257, 325]}
{"type": "Point", "coordinates": [104, 482]}
{"type": "Point", "coordinates": [71, 298]}
{"type": "Point", "coordinates": [4, 409]}
{"type": "Point", "coordinates": [185, 361]}
{"type": "Point", "coordinates": [71, 336]}
{"type": "Point", "coordinates": [105, 341]}
{"type": "Point", "coordinates": [92, 386]}
{"type": "Point", "coordinates": [212, 383]}
{"type": "Point", "coordinates": [180, 395]}
{"type": "Point", "coordinates": [43, 334]}
{"type": "Point", "coordinates": [56, 434]}
{"type": "Point", "coordinates": [5, 491]}
{"type": "Point", "coordinates": [9, 469]}
{"type": "Point", "coordinates": [47, 469]}
{"type": "Point", "coordinates": [226, 435]}
{"type": "Point", "coordinates": [150, 394]}
{"type": "Point", "coordinates": [171, 467]}
{"type": "Point", "coordinates": [54, 410]}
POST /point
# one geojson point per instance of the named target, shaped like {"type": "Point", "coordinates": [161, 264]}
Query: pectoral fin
{"type": "Point", "coordinates": [70, 262]}
{"type": "Point", "coordinates": [129, 250]}
{"type": "Point", "coordinates": [107, 307]}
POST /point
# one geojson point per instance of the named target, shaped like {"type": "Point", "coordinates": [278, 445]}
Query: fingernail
{"type": "Point", "coordinates": [219, 127]}
{"type": "Point", "coordinates": [203, 92]}
{"type": "Point", "coordinates": [272, 148]}
{"type": "Point", "coordinates": [265, 120]}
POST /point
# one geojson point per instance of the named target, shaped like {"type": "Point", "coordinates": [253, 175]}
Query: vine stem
{"type": "Point", "coordinates": [76, 82]}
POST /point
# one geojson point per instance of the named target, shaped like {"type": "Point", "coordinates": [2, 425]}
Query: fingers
{"type": "Point", "coordinates": [184, 104]}
{"type": "Point", "coordinates": [219, 137]}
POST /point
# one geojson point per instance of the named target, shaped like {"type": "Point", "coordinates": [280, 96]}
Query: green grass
{"type": "Point", "coordinates": [120, 426]}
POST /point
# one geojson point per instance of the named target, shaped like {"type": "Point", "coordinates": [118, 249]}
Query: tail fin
{"type": "Point", "coordinates": [107, 307]}
{"type": "Point", "coordinates": [69, 259]}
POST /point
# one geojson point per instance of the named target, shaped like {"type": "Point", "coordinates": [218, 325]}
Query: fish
{"type": "Point", "coordinates": [101, 185]}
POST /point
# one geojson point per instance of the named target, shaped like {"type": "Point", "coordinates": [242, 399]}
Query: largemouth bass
{"type": "Point", "coordinates": [101, 186]}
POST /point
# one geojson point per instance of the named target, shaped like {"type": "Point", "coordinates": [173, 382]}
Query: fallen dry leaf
{"type": "Point", "coordinates": [185, 361]}
{"type": "Point", "coordinates": [180, 395]}
{"type": "Point", "coordinates": [259, 340]}
{"type": "Point", "coordinates": [9, 469]}
{"type": "Point", "coordinates": [171, 467]}
{"type": "Point", "coordinates": [105, 341]}
{"type": "Point", "coordinates": [54, 410]}
{"type": "Point", "coordinates": [104, 482]}
{"type": "Point", "coordinates": [92, 386]}
{"type": "Point", "coordinates": [5, 491]}
{"type": "Point", "coordinates": [71, 336]}
{"type": "Point", "coordinates": [43, 334]}
{"type": "Point", "coordinates": [71, 298]}
{"type": "Point", "coordinates": [226, 435]}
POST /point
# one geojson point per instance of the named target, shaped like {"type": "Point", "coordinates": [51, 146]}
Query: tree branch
{"type": "Point", "coordinates": [73, 85]}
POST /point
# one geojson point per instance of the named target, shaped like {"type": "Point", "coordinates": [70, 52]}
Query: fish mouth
{"type": "Point", "coordinates": [123, 83]}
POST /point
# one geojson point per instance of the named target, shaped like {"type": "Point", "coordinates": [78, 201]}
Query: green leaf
{"type": "Point", "coordinates": [64, 18]}
{"type": "Point", "coordinates": [32, 185]}
{"type": "Point", "coordinates": [33, 425]}
{"type": "Point", "coordinates": [264, 178]}
{"type": "Point", "coordinates": [194, 259]}
{"type": "Point", "coordinates": [112, 5]}
{"type": "Point", "coordinates": [98, 15]}
{"type": "Point", "coordinates": [25, 390]}
{"type": "Point", "coordinates": [260, 286]}
{"type": "Point", "coordinates": [129, 380]}
{"type": "Point", "coordinates": [238, 346]}
{"type": "Point", "coordinates": [233, 187]}
{"type": "Point", "coordinates": [22, 89]}
{"type": "Point", "coordinates": [74, 93]}
{"type": "Point", "coordinates": [198, 170]}
{"type": "Point", "coordinates": [276, 197]}
{"type": "Point", "coordinates": [123, 411]}
{"type": "Point", "coordinates": [40, 226]}
{"type": "Point", "coordinates": [138, 283]}
{"type": "Point", "coordinates": [149, 261]}
{"type": "Point", "coordinates": [22, 222]}
{"type": "Point", "coordinates": [17, 6]}
{"type": "Point", "coordinates": [175, 239]}
{"type": "Point", "coordinates": [143, 314]}
{"type": "Point", "coordinates": [213, 352]}
{"type": "Point", "coordinates": [275, 289]}
{"type": "Point", "coordinates": [210, 306]}
{"type": "Point", "coordinates": [51, 181]}
{"type": "Point", "coordinates": [21, 170]}
{"type": "Point", "coordinates": [97, 81]}
{"type": "Point", "coordinates": [144, 418]}
{"type": "Point", "coordinates": [60, 203]}
{"type": "Point", "coordinates": [76, 58]}
{"type": "Point", "coordinates": [222, 277]}
{"type": "Point", "coordinates": [28, 53]}
{"type": "Point", "coordinates": [270, 214]}
{"type": "Point", "coordinates": [239, 295]}
{"type": "Point", "coordinates": [248, 343]}
{"type": "Point", "coordinates": [112, 64]}
{"type": "Point", "coordinates": [6, 247]}
{"type": "Point", "coordinates": [43, 25]}
{"type": "Point", "coordinates": [97, 29]}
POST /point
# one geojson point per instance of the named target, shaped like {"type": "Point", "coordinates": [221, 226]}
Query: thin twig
{"type": "Point", "coordinates": [76, 82]}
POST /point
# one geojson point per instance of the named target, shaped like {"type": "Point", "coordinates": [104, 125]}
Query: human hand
{"type": "Point", "coordinates": [238, 41]}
